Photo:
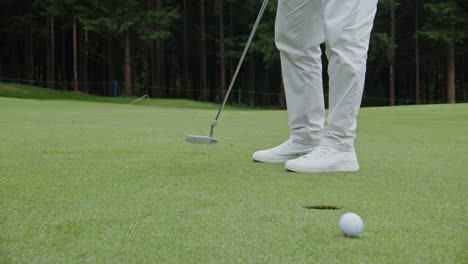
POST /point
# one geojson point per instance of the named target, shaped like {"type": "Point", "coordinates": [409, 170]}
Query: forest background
{"type": "Point", "coordinates": [190, 48]}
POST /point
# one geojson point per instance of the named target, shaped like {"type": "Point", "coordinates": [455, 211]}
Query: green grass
{"type": "Point", "coordinates": [99, 182]}
{"type": "Point", "coordinates": [31, 92]}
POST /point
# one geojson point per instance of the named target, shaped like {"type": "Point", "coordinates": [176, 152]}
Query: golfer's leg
{"type": "Point", "coordinates": [298, 35]}
{"type": "Point", "coordinates": [348, 24]}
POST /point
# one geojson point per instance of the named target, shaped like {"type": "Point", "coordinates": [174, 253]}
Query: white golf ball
{"type": "Point", "coordinates": [351, 224]}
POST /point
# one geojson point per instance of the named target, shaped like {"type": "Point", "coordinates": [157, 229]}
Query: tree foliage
{"type": "Point", "coordinates": [444, 23]}
{"type": "Point", "coordinates": [165, 41]}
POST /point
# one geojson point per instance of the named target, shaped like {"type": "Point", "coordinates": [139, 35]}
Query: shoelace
{"type": "Point", "coordinates": [319, 151]}
{"type": "Point", "coordinates": [284, 145]}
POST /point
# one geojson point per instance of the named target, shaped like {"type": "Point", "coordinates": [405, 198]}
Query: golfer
{"type": "Point", "coordinates": [301, 26]}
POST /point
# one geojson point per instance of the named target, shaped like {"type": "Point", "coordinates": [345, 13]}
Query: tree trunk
{"type": "Point", "coordinates": [160, 62]}
{"type": "Point", "coordinates": [203, 80]}
{"type": "Point", "coordinates": [48, 55]}
{"type": "Point", "coordinates": [252, 82]}
{"type": "Point", "coordinates": [52, 51]}
{"type": "Point", "coordinates": [85, 62]}
{"type": "Point", "coordinates": [231, 35]}
{"type": "Point", "coordinates": [463, 82]}
{"type": "Point", "coordinates": [222, 65]}
{"type": "Point", "coordinates": [162, 71]}
{"type": "Point", "coordinates": [185, 73]}
{"type": "Point", "coordinates": [110, 66]}
{"type": "Point", "coordinates": [152, 90]}
{"type": "Point", "coordinates": [64, 64]}
{"type": "Point", "coordinates": [173, 76]}
{"type": "Point", "coordinates": [75, 58]}
{"type": "Point", "coordinates": [103, 67]}
{"type": "Point", "coordinates": [30, 61]}
{"type": "Point", "coordinates": [416, 38]}
{"type": "Point", "coordinates": [16, 60]}
{"type": "Point", "coordinates": [392, 59]}
{"type": "Point", "coordinates": [27, 57]}
{"type": "Point", "coordinates": [154, 74]}
{"type": "Point", "coordinates": [128, 72]}
{"type": "Point", "coordinates": [451, 74]}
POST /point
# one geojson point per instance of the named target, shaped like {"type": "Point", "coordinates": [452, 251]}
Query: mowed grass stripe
{"type": "Point", "coordinates": [97, 182]}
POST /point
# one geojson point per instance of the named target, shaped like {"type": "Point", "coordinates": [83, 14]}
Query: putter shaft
{"type": "Point", "coordinates": [239, 65]}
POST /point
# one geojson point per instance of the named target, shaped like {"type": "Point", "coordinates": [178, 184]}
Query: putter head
{"type": "Point", "coordinates": [201, 139]}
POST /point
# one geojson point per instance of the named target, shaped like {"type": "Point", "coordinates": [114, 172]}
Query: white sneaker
{"type": "Point", "coordinates": [325, 159]}
{"type": "Point", "coordinates": [284, 152]}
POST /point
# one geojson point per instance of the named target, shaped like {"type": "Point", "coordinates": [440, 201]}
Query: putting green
{"type": "Point", "coordinates": [100, 182]}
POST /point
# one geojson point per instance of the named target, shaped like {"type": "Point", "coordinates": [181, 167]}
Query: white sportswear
{"type": "Point", "coordinates": [344, 26]}
{"type": "Point", "coordinates": [324, 159]}
{"type": "Point", "coordinates": [283, 152]}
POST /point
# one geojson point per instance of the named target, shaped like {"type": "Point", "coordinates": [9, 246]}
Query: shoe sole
{"type": "Point", "coordinates": [276, 159]}
{"type": "Point", "coordinates": [273, 160]}
{"type": "Point", "coordinates": [351, 167]}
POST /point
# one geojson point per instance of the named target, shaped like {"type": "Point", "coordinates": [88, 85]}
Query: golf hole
{"type": "Point", "coordinates": [321, 207]}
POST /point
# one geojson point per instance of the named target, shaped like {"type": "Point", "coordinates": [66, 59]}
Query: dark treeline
{"type": "Point", "coordinates": [190, 48]}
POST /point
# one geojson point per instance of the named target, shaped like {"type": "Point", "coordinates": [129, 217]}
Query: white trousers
{"type": "Point", "coordinates": [344, 26]}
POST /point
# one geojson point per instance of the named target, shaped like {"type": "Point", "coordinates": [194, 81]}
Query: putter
{"type": "Point", "coordinates": [194, 139]}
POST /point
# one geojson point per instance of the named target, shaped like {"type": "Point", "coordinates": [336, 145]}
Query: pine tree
{"type": "Point", "coordinates": [442, 26]}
